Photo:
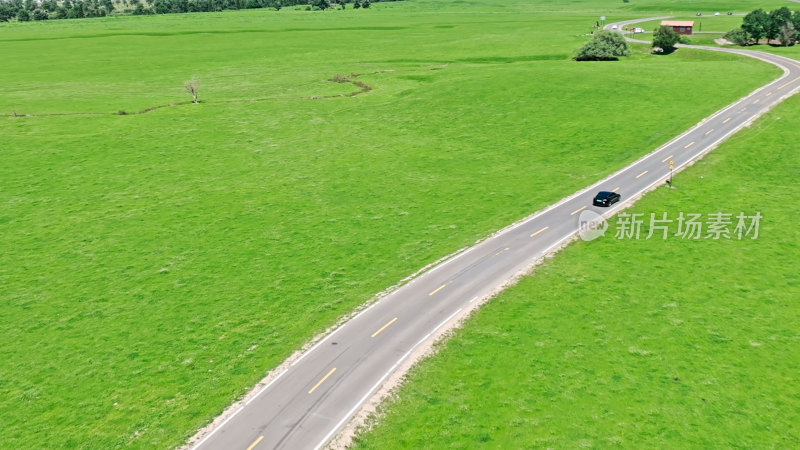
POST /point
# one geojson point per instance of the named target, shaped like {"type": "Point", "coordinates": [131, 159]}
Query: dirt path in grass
{"type": "Point", "coordinates": [362, 88]}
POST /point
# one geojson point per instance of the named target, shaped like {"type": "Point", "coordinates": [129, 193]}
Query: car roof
{"type": "Point", "coordinates": [604, 194]}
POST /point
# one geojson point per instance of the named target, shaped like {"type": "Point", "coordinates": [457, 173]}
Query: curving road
{"type": "Point", "coordinates": [307, 403]}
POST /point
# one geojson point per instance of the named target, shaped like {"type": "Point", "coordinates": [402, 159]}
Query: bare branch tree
{"type": "Point", "coordinates": [192, 86]}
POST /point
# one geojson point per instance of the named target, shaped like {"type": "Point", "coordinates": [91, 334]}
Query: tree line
{"type": "Point", "coordinates": [780, 25]}
{"type": "Point", "coordinates": [26, 10]}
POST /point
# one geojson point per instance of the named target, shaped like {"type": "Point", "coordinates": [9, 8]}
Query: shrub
{"type": "Point", "coordinates": [605, 46]}
{"type": "Point", "coordinates": [40, 14]}
{"type": "Point", "coordinates": [738, 36]}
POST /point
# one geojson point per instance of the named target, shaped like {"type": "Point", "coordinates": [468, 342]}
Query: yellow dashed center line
{"type": "Point", "coordinates": [769, 93]}
{"type": "Point", "coordinates": [577, 211]}
{"type": "Point", "coordinates": [637, 176]}
{"type": "Point", "coordinates": [689, 144]}
{"type": "Point", "coordinates": [709, 131]}
{"type": "Point", "coordinates": [726, 120]}
{"type": "Point", "coordinates": [383, 327]}
{"type": "Point", "coordinates": [438, 289]}
{"type": "Point", "coordinates": [783, 86]}
{"type": "Point", "coordinates": [534, 234]}
{"type": "Point", "coordinates": [615, 189]}
{"type": "Point", "coordinates": [756, 101]}
{"type": "Point", "coordinates": [667, 158]}
{"type": "Point", "coordinates": [255, 443]}
{"type": "Point", "coordinates": [322, 380]}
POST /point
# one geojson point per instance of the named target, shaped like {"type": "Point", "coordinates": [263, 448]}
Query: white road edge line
{"type": "Point", "coordinates": [217, 428]}
{"type": "Point", "coordinates": [378, 383]}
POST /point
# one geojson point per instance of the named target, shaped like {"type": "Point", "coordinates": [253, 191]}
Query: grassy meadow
{"type": "Point", "coordinates": [156, 265]}
{"type": "Point", "coordinates": [636, 343]}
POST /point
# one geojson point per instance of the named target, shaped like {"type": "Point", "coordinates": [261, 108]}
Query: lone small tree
{"type": "Point", "coordinates": [192, 86]}
{"type": "Point", "coordinates": [666, 38]}
{"type": "Point", "coordinates": [605, 46]}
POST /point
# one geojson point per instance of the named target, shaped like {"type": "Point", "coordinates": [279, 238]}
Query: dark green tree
{"type": "Point", "coordinates": [161, 6]}
{"type": "Point", "coordinates": [356, 4]}
{"type": "Point", "coordinates": [756, 24]}
{"type": "Point", "coordinates": [604, 46]}
{"type": "Point", "coordinates": [796, 25]}
{"type": "Point", "coordinates": [76, 12]}
{"type": "Point", "coordinates": [61, 12]}
{"type": "Point", "coordinates": [39, 14]}
{"type": "Point", "coordinates": [7, 11]}
{"type": "Point", "coordinates": [49, 5]}
{"type": "Point", "coordinates": [23, 15]}
{"type": "Point", "coordinates": [365, 4]}
{"type": "Point", "coordinates": [665, 38]}
{"type": "Point", "coordinates": [322, 4]}
{"type": "Point", "coordinates": [778, 28]}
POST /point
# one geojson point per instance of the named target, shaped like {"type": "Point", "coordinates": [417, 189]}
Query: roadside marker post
{"type": "Point", "coordinates": [670, 172]}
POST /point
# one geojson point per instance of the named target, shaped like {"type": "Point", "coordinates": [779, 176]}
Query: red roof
{"type": "Point", "coordinates": [677, 23]}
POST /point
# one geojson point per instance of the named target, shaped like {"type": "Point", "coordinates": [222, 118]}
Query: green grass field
{"type": "Point", "coordinates": [155, 266]}
{"type": "Point", "coordinates": [636, 343]}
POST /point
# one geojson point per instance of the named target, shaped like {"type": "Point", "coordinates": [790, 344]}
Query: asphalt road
{"type": "Point", "coordinates": [309, 402]}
